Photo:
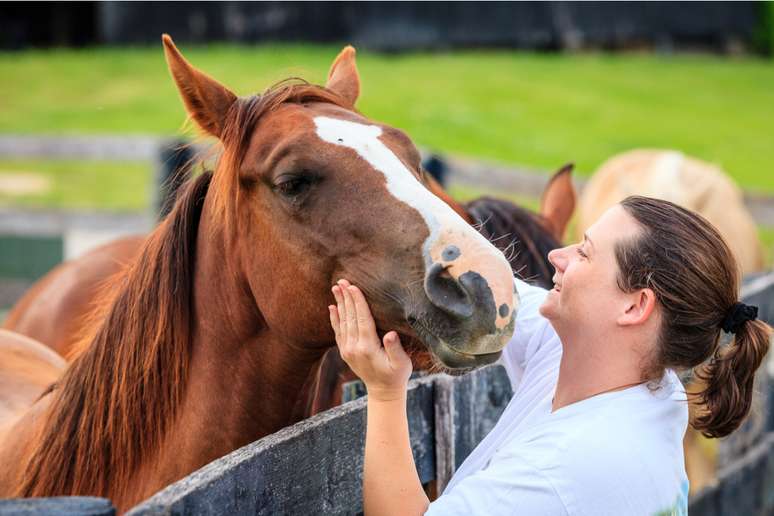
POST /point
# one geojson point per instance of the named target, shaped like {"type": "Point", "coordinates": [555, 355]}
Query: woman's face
{"type": "Point", "coordinates": [585, 290]}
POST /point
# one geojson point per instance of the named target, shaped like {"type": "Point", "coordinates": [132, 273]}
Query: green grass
{"type": "Point", "coordinates": [89, 185]}
{"type": "Point", "coordinates": [539, 110]}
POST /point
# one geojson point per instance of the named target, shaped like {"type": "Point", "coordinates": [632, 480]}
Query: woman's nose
{"type": "Point", "coordinates": [558, 258]}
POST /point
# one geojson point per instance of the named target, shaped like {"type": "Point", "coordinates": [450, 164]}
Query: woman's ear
{"type": "Point", "coordinates": [206, 100]}
{"type": "Point", "coordinates": [638, 308]}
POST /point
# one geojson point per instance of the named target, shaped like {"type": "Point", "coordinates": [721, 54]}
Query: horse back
{"type": "Point", "coordinates": [27, 369]}
{"type": "Point", "coordinates": [54, 310]}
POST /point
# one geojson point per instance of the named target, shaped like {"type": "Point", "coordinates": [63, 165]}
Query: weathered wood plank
{"type": "Point", "coordinates": [445, 463]}
{"type": "Point", "coordinates": [466, 409]}
{"type": "Point", "coordinates": [57, 506]}
{"type": "Point", "coordinates": [312, 467]}
{"type": "Point", "coordinates": [93, 147]}
{"type": "Point", "coordinates": [745, 487]}
{"type": "Point", "coordinates": [480, 397]}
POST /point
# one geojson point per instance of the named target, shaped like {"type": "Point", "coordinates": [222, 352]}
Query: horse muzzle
{"type": "Point", "coordinates": [461, 323]}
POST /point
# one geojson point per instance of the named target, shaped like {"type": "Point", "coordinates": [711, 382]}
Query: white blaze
{"type": "Point", "coordinates": [401, 182]}
{"type": "Point", "coordinates": [446, 227]}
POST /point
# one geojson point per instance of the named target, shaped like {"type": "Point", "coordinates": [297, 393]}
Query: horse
{"type": "Point", "coordinates": [684, 180]}
{"type": "Point", "coordinates": [54, 310]}
{"type": "Point", "coordinates": [201, 345]}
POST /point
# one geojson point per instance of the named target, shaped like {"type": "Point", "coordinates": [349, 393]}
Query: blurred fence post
{"type": "Point", "coordinates": [174, 159]}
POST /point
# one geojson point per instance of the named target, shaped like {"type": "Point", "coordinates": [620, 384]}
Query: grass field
{"type": "Point", "coordinates": [538, 110]}
{"type": "Point", "coordinates": [85, 185]}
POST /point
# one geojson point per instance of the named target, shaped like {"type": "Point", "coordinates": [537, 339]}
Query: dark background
{"type": "Point", "coordinates": [395, 26]}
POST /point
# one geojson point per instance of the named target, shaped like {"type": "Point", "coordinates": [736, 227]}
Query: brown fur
{"type": "Point", "coordinates": [29, 369]}
{"type": "Point", "coordinates": [126, 385]}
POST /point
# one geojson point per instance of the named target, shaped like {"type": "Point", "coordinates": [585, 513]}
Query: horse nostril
{"type": "Point", "coordinates": [446, 293]}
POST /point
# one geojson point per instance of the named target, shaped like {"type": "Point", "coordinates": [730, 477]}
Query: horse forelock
{"type": "Point", "coordinates": [239, 127]}
{"type": "Point", "coordinates": [115, 402]}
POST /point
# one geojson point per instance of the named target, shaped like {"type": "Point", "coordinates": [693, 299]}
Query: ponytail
{"type": "Point", "coordinates": [729, 378]}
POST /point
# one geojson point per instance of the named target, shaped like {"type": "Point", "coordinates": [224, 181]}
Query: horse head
{"type": "Point", "coordinates": [309, 191]}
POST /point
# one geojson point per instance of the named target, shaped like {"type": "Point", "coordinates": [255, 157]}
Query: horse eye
{"type": "Point", "coordinates": [293, 187]}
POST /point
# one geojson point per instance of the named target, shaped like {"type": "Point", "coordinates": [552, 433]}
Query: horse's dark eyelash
{"type": "Point", "coordinates": [303, 181]}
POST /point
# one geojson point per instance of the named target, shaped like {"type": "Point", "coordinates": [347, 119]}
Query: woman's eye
{"type": "Point", "coordinates": [293, 187]}
{"type": "Point", "coordinates": [580, 252]}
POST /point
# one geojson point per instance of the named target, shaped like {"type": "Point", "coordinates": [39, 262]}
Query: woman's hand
{"type": "Point", "coordinates": [384, 370]}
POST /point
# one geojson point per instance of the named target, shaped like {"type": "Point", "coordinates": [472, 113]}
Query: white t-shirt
{"type": "Point", "coordinates": [618, 453]}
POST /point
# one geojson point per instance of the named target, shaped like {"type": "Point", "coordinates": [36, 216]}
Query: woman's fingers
{"type": "Point", "coordinates": [365, 321]}
{"type": "Point", "coordinates": [349, 312]}
{"type": "Point", "coordinates": [395, 352]}
{"type": "Point", "coordinates": [340, 313]}
{"type": "Point", "coordinates": [333, 312]}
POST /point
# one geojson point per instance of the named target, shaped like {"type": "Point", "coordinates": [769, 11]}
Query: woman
{"type": "Point", "coordinates": [598, 415]}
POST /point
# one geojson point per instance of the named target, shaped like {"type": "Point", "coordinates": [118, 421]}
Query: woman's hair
{"type": "Point", "coordinates": [691, 270]}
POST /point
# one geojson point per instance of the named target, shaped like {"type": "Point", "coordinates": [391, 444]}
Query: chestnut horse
{"type": "Point", "coordinates": [203, 342]}
{"type": "Point", "coordinates": [54, 310]}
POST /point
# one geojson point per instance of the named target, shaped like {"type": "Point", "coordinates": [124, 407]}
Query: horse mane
{"type": "Point", "coordinates": [117, 397]}
{"type": "Point", "coordinates": [507, 225]}
{"type": "Point", "coordinates": [115, 402]}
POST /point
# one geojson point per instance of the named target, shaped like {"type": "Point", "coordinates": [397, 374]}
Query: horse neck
{"type": "Point", "coordinates": [243, 381]}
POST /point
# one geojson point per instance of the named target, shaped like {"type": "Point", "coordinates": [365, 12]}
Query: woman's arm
{"type": "Point", "coordinates": [390, 480]}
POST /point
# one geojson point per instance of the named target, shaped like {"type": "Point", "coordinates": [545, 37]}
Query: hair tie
{"type": "Point", "coordinates": [737, 315]}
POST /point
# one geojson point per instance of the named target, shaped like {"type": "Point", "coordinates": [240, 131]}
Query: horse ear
{"type": "Point", "coordinates": [558, 202]}
{"type": "Point", "coordinates": [343, 77]}
{"type": "Point", "coordinates": [206, 100]}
